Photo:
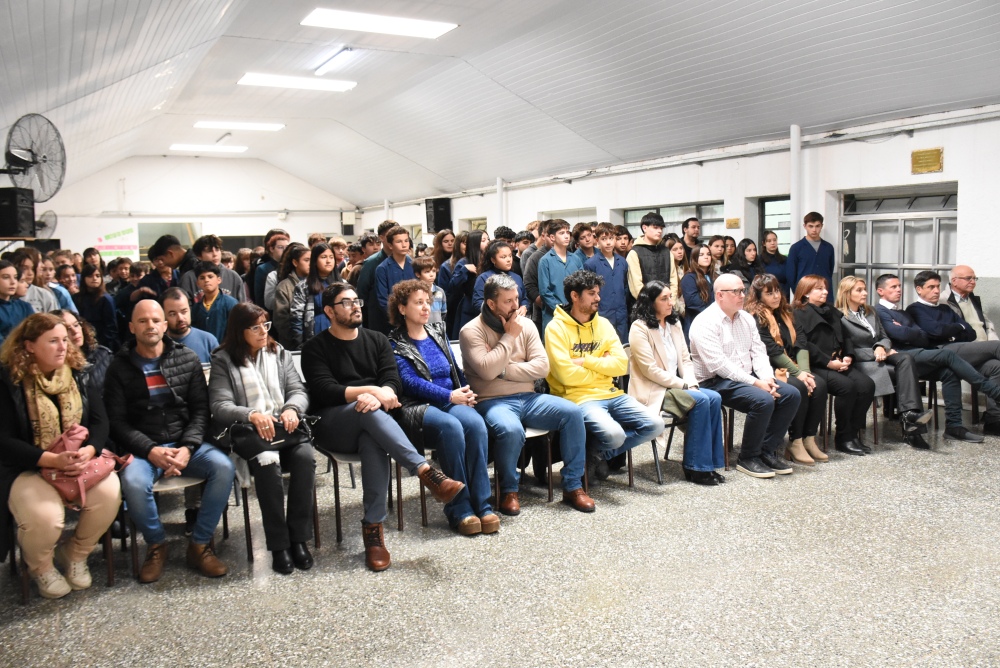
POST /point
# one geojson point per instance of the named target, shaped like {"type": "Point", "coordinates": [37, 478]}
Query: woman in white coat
{"type": "Point", "coordinates": [663, 378]}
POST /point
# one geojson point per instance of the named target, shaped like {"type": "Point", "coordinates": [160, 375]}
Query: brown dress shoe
{"type": "Point", "coordinates": [376, 556]}
{"type": "Point", "coordinates": [152, 568]}
{"type": "Point", "coordinates": [442, 488]}
{"type": "Point", "coordinates": [490, 523]}
{"type": "Point", "coordinates": [202, 558]}
{"type": "Point", "coordinates": [510, 504]}
{"type": "Point", "coordinates": [579, 500]}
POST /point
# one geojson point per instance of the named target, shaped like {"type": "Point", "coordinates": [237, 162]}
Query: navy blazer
{"type": "Point", "coordinates": [613, 304]}
{"type": "Point", "coordinates": [903, 330]}
{"type": "Point", "coordinates": [941, 324]}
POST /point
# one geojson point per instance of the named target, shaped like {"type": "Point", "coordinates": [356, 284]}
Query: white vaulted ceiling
{"type": "Point", "coordinates": [522, 88]}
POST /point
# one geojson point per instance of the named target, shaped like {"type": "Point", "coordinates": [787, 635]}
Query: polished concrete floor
{"type": "Point", "coordinates": [885, 560]}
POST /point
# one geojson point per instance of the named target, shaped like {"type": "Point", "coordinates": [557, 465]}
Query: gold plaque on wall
{"type": "Point", "coordinates": [732, 223]}
{"type": "Point", "coordinates": [927, 161]}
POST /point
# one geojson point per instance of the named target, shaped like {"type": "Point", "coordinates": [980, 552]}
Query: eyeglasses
{"type": "Point", "coordinates": [350, 303]}
{"type": "Point", "coordinates": [968, 279]}
{"type": "Point", "coordinates": [739, 292]}
{"type": "Point", "coordinates": [262, 327]}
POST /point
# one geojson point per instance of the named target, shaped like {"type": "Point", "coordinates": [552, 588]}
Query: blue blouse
{"type": "Point", "coordinates": [439, 389]}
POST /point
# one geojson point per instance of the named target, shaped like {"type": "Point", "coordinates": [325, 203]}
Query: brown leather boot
{"type": "Point", "coordinates": [579, 500]}
{"type": "Point", "coordinates": [796, 452]}
{"type": "Point", "coordinates": [152, 568]}
{"type": "Point", "coordinates": [809, 442]}
{"type": "Point", "coordinates": [202, 558]}
{"type": "Point", "coordinates": [376, 556]}
{"type": "Point", "coordinates": [442, 488]}
{"type": "Point", "coordinates": [510, 504]}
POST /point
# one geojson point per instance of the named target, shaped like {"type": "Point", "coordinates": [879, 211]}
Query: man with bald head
{"type": "Point", "coordinates": [157, 402]}
{"type": "Point", "coordinates": [730, 358]}
{"type": "Point", "coordinates": [963, 300]}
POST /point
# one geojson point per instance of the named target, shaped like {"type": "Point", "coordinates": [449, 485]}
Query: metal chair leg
{"type": "Point", "coordinates": [399, 495]}
{"type": "Point", "coordinates": [423, 505]}
{"type": "Point", "coordinates": [316, 518]}
{"type": "Point", "coordinates": [875, 419]}
{"type": "Point", "coordinates": [350, 469]}
{"type": "Point", "coordinates": [336, 500]}
{"type": "Point", "coordinates": [246, 523]}
{"type": "Point", "coordinates": [109, 554]}
{"type": "Point", "coordinates": [548, 462]}
{"type": "Point", "coordinates": [656, 461]}
{"type": "Point", "coordinates": [628, 459]}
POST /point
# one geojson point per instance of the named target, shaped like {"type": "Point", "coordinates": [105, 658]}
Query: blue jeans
{"type": "Point", "coordinates": [617, 425]}
{"type": "Point", "coordinates": [703, 449]}
{"type": "Point", "coordinates": [459, 436]}
{"type": "Point", "coordinates": [767, 418]}
{"type": "Point", "coordinates": [508, 417]}
{"type": "Point", "coordinates": [207, 462]}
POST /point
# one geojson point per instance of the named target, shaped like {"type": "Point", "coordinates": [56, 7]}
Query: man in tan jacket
{"type": "Point", "coordinates": [503, 357]}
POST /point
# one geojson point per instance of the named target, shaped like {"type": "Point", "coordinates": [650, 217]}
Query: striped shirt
{"type": "Point", "coordinates": [159, 391]}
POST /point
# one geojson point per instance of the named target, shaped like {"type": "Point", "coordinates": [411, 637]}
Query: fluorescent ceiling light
{"type": "Point", "coordinates": [236, 125]}
{"type": "Point", "coordinates": [305, 83]}
{"type": "Point", "coordinates": [208, 148]}
{"type": "Point", "coordinates": [388, 25]}
{"type": "Point", "coordinates": [336, 60]}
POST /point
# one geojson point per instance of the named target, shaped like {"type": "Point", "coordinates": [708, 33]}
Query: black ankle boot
{"type": "Point", "coordinates": [281, 562]}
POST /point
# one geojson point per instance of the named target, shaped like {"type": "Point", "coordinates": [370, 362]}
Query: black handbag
{"type": "Point", "coordinates": [247, 443]}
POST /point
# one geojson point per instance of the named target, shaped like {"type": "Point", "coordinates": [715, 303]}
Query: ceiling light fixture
{"type": "Point", "coordinates": [336, 60]}
{"type": "Point", "coordinates": [208, 148]}
{"type": "Point", "coordinates": [239, 125]}
{"type": "Point", "coordinates": [387, 25]}
{"type": "Point", "coordinates": [304, 83]}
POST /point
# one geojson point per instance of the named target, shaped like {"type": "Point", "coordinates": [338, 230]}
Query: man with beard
{"type": "Point", "coordinates": [503, 357]}
{"type": "Point", "coordinates": [177, 310]}
{"type": "Point", "coordinates": [353, 382]}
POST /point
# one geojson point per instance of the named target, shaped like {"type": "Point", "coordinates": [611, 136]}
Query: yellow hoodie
{"type": "Point", "coordinates": [603, 358]}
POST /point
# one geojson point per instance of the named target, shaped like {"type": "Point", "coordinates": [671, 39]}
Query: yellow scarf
{"type": "Point", "coordinates": [49, 420]}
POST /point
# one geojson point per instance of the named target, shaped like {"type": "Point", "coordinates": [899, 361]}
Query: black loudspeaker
{"type": "Point", "coordinates": [438, 214]}
{"type": "Point", "coordinates": [17, 212]}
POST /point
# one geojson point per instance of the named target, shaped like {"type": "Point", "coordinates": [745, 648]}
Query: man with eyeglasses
{"type": "Point", "coordinates": [353, 382]}
{"type": "Point", "coordinates": [730, 358]}
{"type": "Point", "coordinates": [963, 300]}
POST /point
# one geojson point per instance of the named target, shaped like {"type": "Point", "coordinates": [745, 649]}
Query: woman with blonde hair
{"type": "Point", "coordinates": [788, 355]}
{"type": "Point", "coordinates": [874, 355]}
{"type": "Point", "coordinates": [831, 357]}
{"type": "Point", "coordinates": [45, 390]}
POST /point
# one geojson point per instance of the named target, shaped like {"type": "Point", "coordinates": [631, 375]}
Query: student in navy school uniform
{"type": "Point", "coordinates": [810, 255]}
{"type": "Point", "coordinates": [498, 259]}
{"type": "Point", "coordinates": [612, 268]}
{"type": "Point", "coordinates": [396, 267]}
{"type": "Point", "coordinates": [210, 313]}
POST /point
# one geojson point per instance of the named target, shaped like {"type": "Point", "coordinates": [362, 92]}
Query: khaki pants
{"type": "Point", "coordinates": [40, 515]}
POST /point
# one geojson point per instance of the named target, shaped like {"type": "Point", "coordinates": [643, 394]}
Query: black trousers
{"type": "Point", "coordinates": [811, 410]}
{"type": "Point", "coordinates": [282, 530]}
{"type": "Point", "coordinates": [854, 392]}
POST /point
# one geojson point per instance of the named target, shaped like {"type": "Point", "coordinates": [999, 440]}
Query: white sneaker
{"type": "Point", "coordinates": [52, 584]}
{"type": "Point", "coordinates": [77, 573]}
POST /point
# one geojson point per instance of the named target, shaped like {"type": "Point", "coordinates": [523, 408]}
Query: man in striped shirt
{"type": "Point", "coordinates": [730, 358]}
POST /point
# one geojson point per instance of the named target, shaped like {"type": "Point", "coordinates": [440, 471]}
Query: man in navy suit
{"type": "Point", "coordinates": [811, 255]}
{"type": "Point", "coordinates": [928, 324]}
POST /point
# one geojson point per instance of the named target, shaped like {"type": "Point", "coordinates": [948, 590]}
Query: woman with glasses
{"type": "Point", "coordinates": [831, 357]}
{"type": "Point", "coordinates": [306, 317]}
{"type": "Point", "coordinates": [254, 381]}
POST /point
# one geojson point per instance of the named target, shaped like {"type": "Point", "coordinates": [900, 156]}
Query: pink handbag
{"type": "Point", "coordinates": [73, 489]}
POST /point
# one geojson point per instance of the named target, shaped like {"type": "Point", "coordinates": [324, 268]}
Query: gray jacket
{"type": "Point", "coordinates": [864, 350]}
{"type": "Point", "coordinates": [228, 399]}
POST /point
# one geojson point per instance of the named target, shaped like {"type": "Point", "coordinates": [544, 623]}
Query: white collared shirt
{"type": "Point", "coordinates": [889, 305]}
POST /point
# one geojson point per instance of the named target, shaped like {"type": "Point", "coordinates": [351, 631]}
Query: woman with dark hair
{"type": "Point", "coordinates": [306, 315]}
{"type": "Point", "coordinates": [445, 271]}
{"type": "Point", "coordinates": [830, 356]}
{"type": "Point", "coordinates": [772, 261]}
{"type": "Point", "coordinates": [45, 390]}
{"type": "Point", "coordinates": [444, 247]}
{"type": "Point", "coordinates": [788, 355]}
{"type": "Point", "coordinates": [437, 407]}
{"type": "Point", "coordinates": [243, 257]}
{"type": "Point", "coordinates": [744, 263]}
{"type": "Point", "coordinates": [294, 269]}
{"type": "Point", "coordinates": [463, 279]}
{"type": "Point", "coordinates": [254, 381]}
{"type": "Point", "coordinates": [83, 336]}
{"type": "Point", "coordinates": [730, 249]}
{"type": "Point", "coordinates": [498, 259]}
{"type": "Point", "coordinates": [696, 285]}
{"type": "Point", "coordinates": [678, 267]}
{"type": "Point", "coordinates": [662, 370]}
{"type": "Point", "coordinates": [41, 299]}
{"type": "Point", "coordinates": [96, 306]}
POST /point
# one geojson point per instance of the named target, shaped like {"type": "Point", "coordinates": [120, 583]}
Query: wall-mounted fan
{"type": "Point", "coordinates": [36, 157]}
{"type": "Point", "coordinates": [45, 226]}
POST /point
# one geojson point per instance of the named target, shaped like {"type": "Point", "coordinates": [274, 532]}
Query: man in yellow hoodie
{"type": "Point", "coordinates": [585, 356]}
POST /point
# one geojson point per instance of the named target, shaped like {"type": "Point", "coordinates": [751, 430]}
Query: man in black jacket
{"type": "Point", "coordinates": [157, 402]}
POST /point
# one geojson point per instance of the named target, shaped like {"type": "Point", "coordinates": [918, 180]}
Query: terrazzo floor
{"type": "Point", "coordinates": [885, 560]}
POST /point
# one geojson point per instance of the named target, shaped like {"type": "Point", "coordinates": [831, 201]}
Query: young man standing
{"type": "Point", "coordinates": [612, 268]}
{"type": "Point", "coordinates": [275, 243]}
{"type": "Point", "coordinates": [12, 309]}
{"type": "Point", "coordinates": [811, 255]}
{"type": "Point", "coordinates": [692, 230]}
{"type": "Point", "coordinates": [583, 237]}
{"type": "Point", "coordinates": [208, 248]}
{"type": "Point", "coordinates": [366, 279]}
{"type": "Point", "coordinates": [649, 259]}
{"type": "Point", "coordinates": [211, 310]}
{"type": "Point", "coordinates": [553, 269]}
{"type": "Point", "coordinates": [585, 356]}
{"type": "Point", "coordinates": [395, 268]}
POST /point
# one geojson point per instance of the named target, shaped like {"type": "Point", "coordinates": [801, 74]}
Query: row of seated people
{"type": "Point", "coordinates": [394, 397]}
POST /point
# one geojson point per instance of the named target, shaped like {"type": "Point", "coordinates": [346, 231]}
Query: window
{"type": "Point", "coordinates": [709, 214]}
{"type": "Point", "coordinates": [776, 216]}
{"type": "Point", "coordinates": [901, 235]}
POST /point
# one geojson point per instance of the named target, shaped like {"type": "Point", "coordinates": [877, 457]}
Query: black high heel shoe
{"type": "Point", "coordinates": [700, 477]}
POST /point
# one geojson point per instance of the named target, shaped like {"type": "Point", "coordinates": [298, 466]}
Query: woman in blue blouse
{"type": "Point", "coordinates": [437, 407]}
{"type": "Point", "coordinates": [696, 285]}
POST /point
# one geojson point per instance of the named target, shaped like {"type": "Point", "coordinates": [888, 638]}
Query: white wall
{"type": "Point", "coordinates": [969, 158]}
{"type": "Point", "coordinates": [228, 197]}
